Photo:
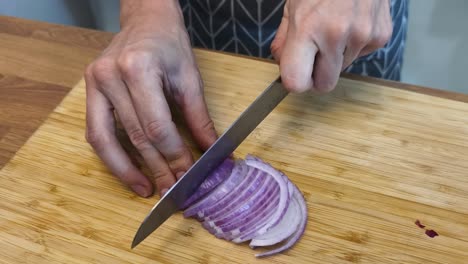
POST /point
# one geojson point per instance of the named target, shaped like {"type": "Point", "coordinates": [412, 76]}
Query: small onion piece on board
{"type": "Point", "coordinates": [249, 200]}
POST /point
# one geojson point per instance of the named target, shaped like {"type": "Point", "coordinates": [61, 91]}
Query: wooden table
{"type": "Point", "coordinates": [39, 65]}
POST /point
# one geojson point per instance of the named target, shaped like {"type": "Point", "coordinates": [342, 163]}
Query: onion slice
{"type": "Point", "coordinates": [284, 229]}
{"type": "Point", "coordinates": [261, 194]}
{"type": "Point", "coordinates": [249, 200]}
{"type": "Point", "coordinates": [299, 199]}
{"type": "Point", "coordinates": [214, 179]}
{"type": "Point", "coordinates": [237, 197]}
{"type": "Point", "coordinates": [284, 195]}
{"type": "Point", "coordinates": [239, 172]}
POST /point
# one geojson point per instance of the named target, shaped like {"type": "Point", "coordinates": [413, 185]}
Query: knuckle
{"type": "Point", "coordinates": [384, 36]}
{"type": "Point", "coordinates": [187, 86]}
{"type": "Point", "coordinates": [97, 140]}
{"type": "Point", "coordinates": [160, 175]}
{"type": "Point", "coordinates": [362, 34]}
{"type": "Point", "coordinates": [179, 154]}
{"type": "Point", "coordinates": [162, 178]}
{"type": "Point", "coordinates": [158, 131]}
{"type": "Point", "coordinates": [208, 125]}
{"type": "Point", "coordinates": [132, 62]}
{"type": "Point", "coordinates": [139, 139]}
{"type": "Point", "coordinates": [103, 70]}
{"type": "Point", "coordinates": [336, 32]}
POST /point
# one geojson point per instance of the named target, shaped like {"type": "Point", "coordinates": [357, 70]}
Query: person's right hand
{"type": "Point", "coordinates": [150, 58]}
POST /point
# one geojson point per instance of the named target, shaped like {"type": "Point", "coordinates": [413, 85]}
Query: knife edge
{"type": "Point", "coordinates": [232, 137]}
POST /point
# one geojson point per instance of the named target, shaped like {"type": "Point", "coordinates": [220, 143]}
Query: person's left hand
{"type": "Point", "coordinates": [317, 39]}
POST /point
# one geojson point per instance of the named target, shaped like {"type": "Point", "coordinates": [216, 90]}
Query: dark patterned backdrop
{"type": "Point", "coordinates": [249, 26]}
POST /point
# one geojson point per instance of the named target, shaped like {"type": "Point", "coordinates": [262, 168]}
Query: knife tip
{"type": "Point", "coordinates": [134, 243]}
{"type": "Point", "coordinates": [136, 240]}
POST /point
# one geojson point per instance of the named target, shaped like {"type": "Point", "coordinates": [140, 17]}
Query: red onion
{"type": "Point", "coordinates": [249, 200]}
{"type": "Point", "coordinates": [215, 178]}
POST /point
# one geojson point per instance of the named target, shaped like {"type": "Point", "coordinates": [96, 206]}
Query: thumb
{"type": "Point", "coordinates": [195, 112]}
{"type": "Point", "coordinates": [297, 62]}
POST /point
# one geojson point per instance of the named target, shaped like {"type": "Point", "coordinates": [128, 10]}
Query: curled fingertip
{"type": "Point", "coordinates": [141, 190]}
{"type": "Point", "coordinates": [296, 84]}
{"type": "Point", "coordinates": [324, 88]}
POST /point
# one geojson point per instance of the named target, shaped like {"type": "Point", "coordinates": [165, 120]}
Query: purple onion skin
{"type": "Point", "coordinates": [291, 241]}
{"type": "Point", "coordinates": [243, 215]}
{"type": "Point", "coordinates": [237, 175]}
{"type": "Point", "coordinates": [285, 193]}
{"type": "Point", "coordinates": [228, 209]}
{"type": "Point", "coordinates": [250, 231]}
{"type": "Point", "coordinates": [238, 206]}
{"type": "Point", "coordinates": [228, 214]}
{"type": "Point", "coordinates": [214, 179]}
{"type": "Point", "coordinates": [247, 186]}
{"type": "Point", "coordinates": [260, 218]}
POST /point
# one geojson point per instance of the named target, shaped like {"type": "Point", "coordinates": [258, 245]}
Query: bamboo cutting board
{"type": "Point", "coordinates": [370, 161]}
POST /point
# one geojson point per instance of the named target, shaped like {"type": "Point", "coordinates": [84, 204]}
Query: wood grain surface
{"type": "Point", "coordinates": [25, 104]}
{"type": "Point", "coordinates": [370, 161]}
{"type": "Point", "coordinates": [39, 64]}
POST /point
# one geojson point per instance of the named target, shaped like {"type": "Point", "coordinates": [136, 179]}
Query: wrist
{"type": "Point", "coordinates": [131, 10]}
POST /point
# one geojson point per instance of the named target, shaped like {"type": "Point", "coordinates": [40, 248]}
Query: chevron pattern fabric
{"type": "Point", "coordinates": [386, 62]}
{"type": "Point", "coordinates": [249, 26]}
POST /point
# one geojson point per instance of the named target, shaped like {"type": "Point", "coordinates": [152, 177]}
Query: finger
{"type": "Point", "coordinates": [193, 106]}
{"type": "Point", "coordinates": [379, 39]}
{"type": "Point", "coordinates": [357, 42]}
{"type": "Point", "coordinates": [297, 62]}
{"type": "Point", "coordinates": [280, 38]}
{"type": "Point", "coordinates": [351, 53]}
{"type": "Point", "coordinates": [381, 32]}
{"type": "Point", "coordinates": [327, 70]}
{"type": "Point", "coordinates": [100, 133]}
{"type": "Point", "coordinates": [146, 90]}
{"type": "Point", "coordinates": [120, 98]}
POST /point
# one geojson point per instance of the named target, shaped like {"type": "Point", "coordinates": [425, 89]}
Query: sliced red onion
{"type": "Point", "coordinates": [237, 197]}
{"type": "Point", "coordinates": [248, 229]}
{"type": "Point", "coordinates": [254, 202]}
{"type": "Point", "coordinates": [253, 208]}
{"type": "Point", "coordinates": [299, 199]}
{"type": "Point", "coordinates": [214, 179]}
{"type": "Point", "coordinates": [245, 222]}
{"type": "Point", "coordinates": [284, 194]}
{"type": "Point", "coordinates": [284, 229]}
{"type": "Point", "coordinates": [260, 193]}
{"type": "Point", "coordinates": [246, 206]}
{"type": "Point", "coordinates": [242, 218]}
{"type": "Point", "coordinates": [253, 231]}
{"type": "Point", "coordinates": [238, 173]}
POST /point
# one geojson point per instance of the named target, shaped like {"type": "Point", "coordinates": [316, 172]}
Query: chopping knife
{"type": "Point", "coordinates": [174, 198]}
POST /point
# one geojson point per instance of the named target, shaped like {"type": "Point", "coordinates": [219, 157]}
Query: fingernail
{"type": "Point", "coordinates": [164, 191]}
{"type": "Point", "coordinates": [140, 190]}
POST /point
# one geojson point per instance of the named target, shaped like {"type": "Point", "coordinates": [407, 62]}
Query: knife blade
{"type": "Point", "coordinates": [172, 201]}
